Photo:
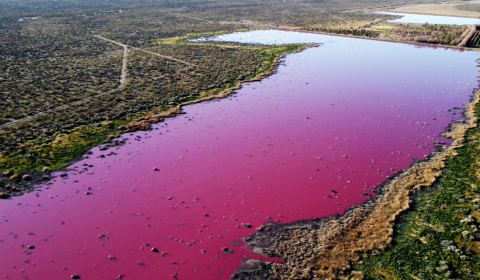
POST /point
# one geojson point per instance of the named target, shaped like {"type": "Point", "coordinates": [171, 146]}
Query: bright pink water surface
{"type": "Point", "coordinates": [340, 117]}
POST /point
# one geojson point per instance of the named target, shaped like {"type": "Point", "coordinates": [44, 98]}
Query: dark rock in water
{"type": "Point", "coordinates": [75, 276]}
{"type": "Point", "coordinates": [247, 225]}
{"type": "Point", "coordinates": [31, 247]}
{"type": "Point", "coordinates": [228, 250]}
{"type": "Point", "coordinates": [4, 195]}
{"type": "Point", "coordinates": [155, 250]}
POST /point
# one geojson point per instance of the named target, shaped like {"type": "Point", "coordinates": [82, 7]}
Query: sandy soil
{"type": "Point", "coordinates": [437, 9]}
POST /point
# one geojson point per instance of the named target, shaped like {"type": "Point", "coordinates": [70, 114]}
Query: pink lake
{"type": "Point", "coordinates": [342, 116]}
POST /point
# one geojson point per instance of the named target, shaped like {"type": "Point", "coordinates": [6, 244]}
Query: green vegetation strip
{"type": "Point", "coordinates": [438, 236]}
{"type": "Point", "coordinates": [56, 151]}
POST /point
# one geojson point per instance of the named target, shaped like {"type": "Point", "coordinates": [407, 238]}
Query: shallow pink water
{"type": "Point", "coordinates": [353, 109]}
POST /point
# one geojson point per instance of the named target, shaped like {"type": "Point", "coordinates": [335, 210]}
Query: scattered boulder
{"type": "Point", "coordinates": [227, 250]}
{"type": "Point", "coordinates": [14, 177]}
{"type": "Point", "coordinates": [26, 177]}
{"type": "Point", "coordinates": [260, 228]}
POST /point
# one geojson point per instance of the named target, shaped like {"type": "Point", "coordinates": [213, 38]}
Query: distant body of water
{"type": "Point", "coordinates": [417, 18]}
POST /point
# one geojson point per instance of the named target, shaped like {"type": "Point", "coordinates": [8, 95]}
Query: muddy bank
{"type": "Point", "coordinates": [323, 248]}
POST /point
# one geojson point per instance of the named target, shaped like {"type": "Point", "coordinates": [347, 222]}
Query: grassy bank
{"type": "Point", "coordinates": [437, 237]}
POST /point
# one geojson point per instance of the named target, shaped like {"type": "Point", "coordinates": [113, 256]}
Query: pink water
{"type": "Point", "coordinates": [355, 110]}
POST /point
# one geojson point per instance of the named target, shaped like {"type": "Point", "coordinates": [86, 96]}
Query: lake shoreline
{"type": "Point", "coordinates": [383, 40]}
{"type": "Point", "coordinates": [337, 224]}
{"type": "Point", "coordinates": [339, 239]}
{"type": "Point", "coordinates": [34, 180]}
